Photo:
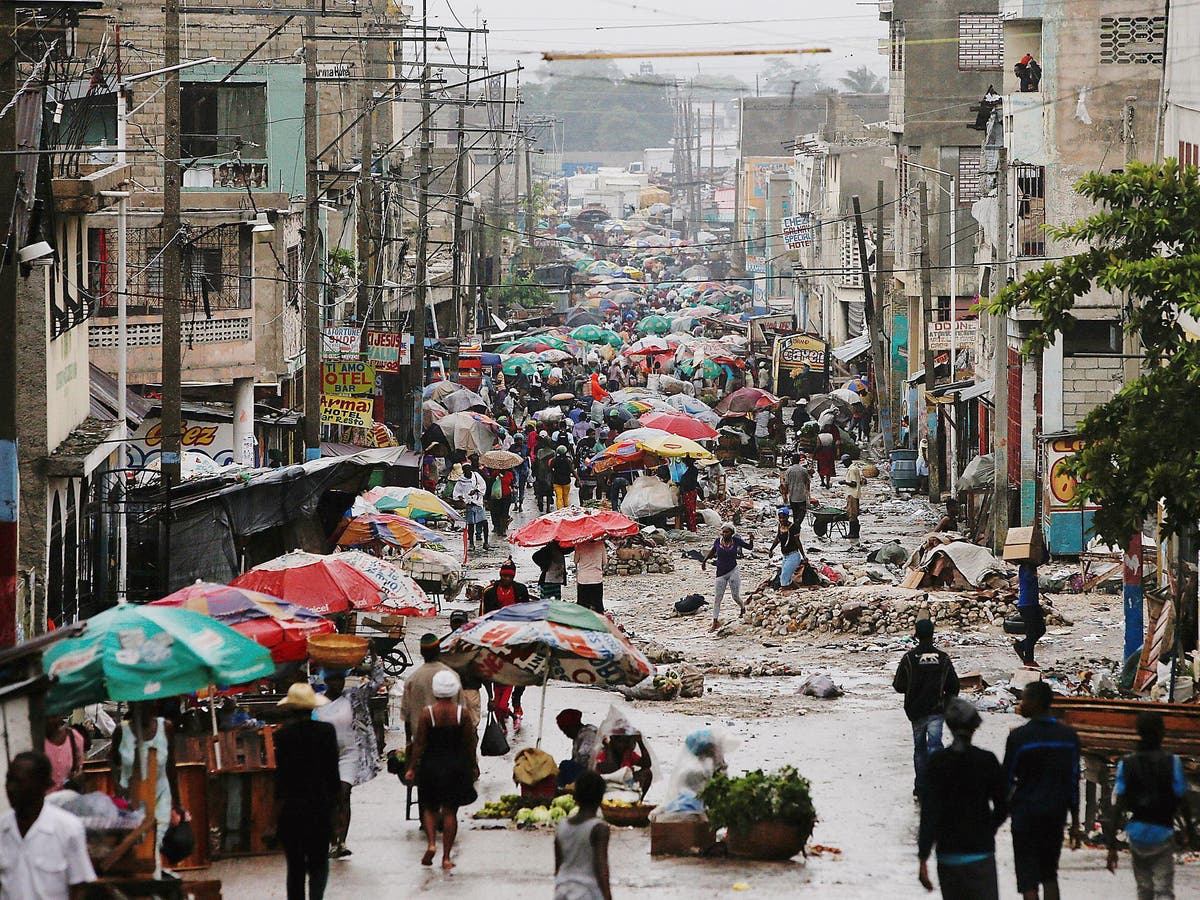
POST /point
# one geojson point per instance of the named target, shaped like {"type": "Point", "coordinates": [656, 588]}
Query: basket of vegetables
{"type": "Point", "coordinates": [626, 813]}
{"type": "Point", "coordinates": [766, 816]}
{"type": "Point", "coordinates": [553, 813]}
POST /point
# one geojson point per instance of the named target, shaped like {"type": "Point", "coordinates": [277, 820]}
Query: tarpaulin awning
{"type": "Point", "coordinates": [852, 349]}
{"type": "Point", "coordinates": [980, 389]}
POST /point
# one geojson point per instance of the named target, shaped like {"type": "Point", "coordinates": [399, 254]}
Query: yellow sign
{"type": "Point", "coordinates": [353, 411]}
{"type": "Point", "coordinates": [800, 353]}
{"type": "Point", "coordinates": [1061, 486]}
{"type": "Point", "coordinates": [348, 379]}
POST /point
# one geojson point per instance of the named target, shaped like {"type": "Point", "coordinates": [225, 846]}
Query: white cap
{"type": "Point", "coordinates": [446, 685]}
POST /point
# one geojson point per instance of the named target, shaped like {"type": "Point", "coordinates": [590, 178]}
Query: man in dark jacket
{"type": "Point", "coordinates": [965, 802]}
{"type": "Point", "coordinates": [927, 679]}
{"type": "Point", "coordinates": [307, 786]}
{"type": "Point", "coordinates": [1041, 763]}
{"type": "Point", "coordinates": [1150, 787]}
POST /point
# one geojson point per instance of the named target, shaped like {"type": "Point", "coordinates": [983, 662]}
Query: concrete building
{"type": "Point", "coordinates": [1095, 109]}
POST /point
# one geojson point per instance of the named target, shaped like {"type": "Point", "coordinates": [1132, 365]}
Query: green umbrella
{"type": "Point", "coordinates": [591, 334]}
{"type": "Point", "coordinates": [133, 652]}
{"type": "Point", "coordinates": [515, 364]}
{"type": "Point", "coordinates": [610, 337]}
{"type": "Point", "coordinates": [707, 366]}
{"type": "Point", "coordinates": [654, 325]}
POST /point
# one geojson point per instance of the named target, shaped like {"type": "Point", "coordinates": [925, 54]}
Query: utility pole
{"type": "Point", "coordinates": [312, 247]}
{"type": "Point", "coordinates": [457, 249]}
{"type": "Point", "coordinates": [171, 262]}
{"type": "Point", "coordinates": [366, 208]}
{"type": "Point", "coordinates": [999, 322]}
{"type": "Point", "coordinates": [873, 317]}
{"type": "Point", "coordinates": [491, 290]}
{"type": "Point", "coordinates": [739, 247]}
{"type": "Point", "coordinates": [421, 294]}
{"type": "Point", "coordinates": [10, 493]}
{"type": "Point", "coordinates": [530, 210]}
{"type": "Point", "coordinates": [883, 373]}
{"type": "Point", "coordinates": [932, 455]}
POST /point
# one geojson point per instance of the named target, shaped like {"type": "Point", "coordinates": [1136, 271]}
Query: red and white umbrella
{"type": "Point", "coordinates": [574, 525]}
{"type": "Point", "coordinates": [324, 584]}
{"type": "Point", "coordinates": [680, 425]}
{"type": "Point", "coordinates": [402, 596]}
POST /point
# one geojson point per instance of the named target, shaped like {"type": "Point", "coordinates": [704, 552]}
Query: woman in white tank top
{"type": "Point", "coordinates": [581, 846]}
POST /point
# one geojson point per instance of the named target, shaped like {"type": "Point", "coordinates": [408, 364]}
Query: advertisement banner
{"type": "Point", "coordinates": [797, 231]}
{"type": "Point", "coordinates": [765, 329]}
{"type": "Point", "coordinates": [388, 351]}
{"type": "Point", "coordinates": [800, 352]}
{"type": "Point", "coordinates": [966, 331]}
{"type": "Point", "coordinates": [352, 411]}
{"type": "Point", "coordinates": [348, 379]}
{"type": "Point", "coordinates": [340, 342]}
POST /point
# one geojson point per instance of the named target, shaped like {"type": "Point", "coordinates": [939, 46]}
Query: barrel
{"type": "Point", "coordinates": [904, 470]}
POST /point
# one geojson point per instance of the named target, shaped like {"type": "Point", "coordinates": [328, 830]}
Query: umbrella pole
{"type": "Point", "coordinates": [212, 710]}
{"type": "Point", "coordinates": [542, 711]}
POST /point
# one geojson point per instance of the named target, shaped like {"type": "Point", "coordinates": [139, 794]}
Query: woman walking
{"type": "Point", "coordinates": [470, 490]}
{"type": "Point", "coordinates": [787, 539]}
{"type": "Point", "coordinates": [157, 735]}
{"type": "Point", "coordinates": [443, 766]}
{"type": "Point", "coordinates": [499, 499]}
{"type": "Point", "coordinates": [581, 846]}
{"type": "Point", "coordinates": [829, 446]}
{"type": "Point", "coordinates": [726, 550]}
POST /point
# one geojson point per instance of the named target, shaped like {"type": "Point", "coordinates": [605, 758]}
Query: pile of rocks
{"type": "Point", "coordinates": [639, 560]}
{"type": "Point", "coordinates": [875, 610]}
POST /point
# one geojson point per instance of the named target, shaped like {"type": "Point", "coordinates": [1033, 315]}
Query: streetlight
{"type": "Point", "coordinates": [929, 376]}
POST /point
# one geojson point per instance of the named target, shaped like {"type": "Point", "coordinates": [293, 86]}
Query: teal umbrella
{"type": "Point", "coordinates": [515, 364]}
{"type": "Point", "coordinates": [710, 368]}
{"type": "Point", "coordinates": [610, 337]}
{"type": "Point", "coordinates": [654, 325]}
{"type": "Point", "coordinates": [590, 334]}
{"type": "Point", "coordinates": [133, 652]}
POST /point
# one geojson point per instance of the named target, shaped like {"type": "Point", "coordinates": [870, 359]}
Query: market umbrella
{"type": "Point", "coordinates": [623, 455]}
{"type": "Point", "coordinates": [530, 643]}
{"type": "Point", "coordinates": [573, 525]}
{"type": "Point", "coordinates": [413, 503]}
{"type": "Point", "coordinates": [647, 346]}
{"type": "Point", "coordinates": [681, 425]}
{"type": "Point", "coordinates": [431, 411]}
{"type": "Point", "coordinates": [641, 434]}
{"type": "Point", "coordinates": [744, 400]}
{"type": "Point", "coordinates": [857, 385]}
{"type": "Point", "coordinates": [693, 407]}
{"type": "Point", "coordinates": [401, 595]}
{"type": "Point", "coordinates": [654, 325]}
{"type": "Point", "coordinates": [710, 368]}
{"type": "Point", "coordinates": [145, 652]}
{"type": "Point", "coordinates": [610, 337]}
{"type": "Point", "coordinates": [440, 389]}
{"type": "Point", "coordinates": [500, 459]}
{"type": "Point", "coordinates": [563, 397]}
{"type": "Point", "coordinates": [554, 355]}
{"type": "Point", "coordinates": [283, 628]}
{"type": "Point", "coordinates": [469, 431]}
{"type": "Point", "coordinates": [673, 447]}
{"type": "Point", "coordinates": [463, 400]}
{"type": "Point", "coordinates": [324, 584]}
{"type": "Point", "coordinates": [591, 334]}
{"type": "Point", "coordinates": [515, 364]}
{"type": "Point", "coordinates": [385, 528]}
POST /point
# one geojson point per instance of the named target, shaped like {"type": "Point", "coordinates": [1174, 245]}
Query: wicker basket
{"type": "Point", "coordinates": [769, 840]}
{"type": "Point", "coordinates": [337, 651]}
{"type": "Point", "coordinates": [627, 816]}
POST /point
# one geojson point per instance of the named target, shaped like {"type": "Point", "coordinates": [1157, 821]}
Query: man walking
{"type": "Point", "coordinates": [561, 471]}
{"type": "Point", "coordinates": [1150, 787]}
{"type": "Point", "coordinates": [797, 481]}
{"type": "Point", "coordinates": [1041, 762]}
{"type": "Point", "coordinates": [689, 488]}
{"type": "Point", "coordinates": [589, 575]}
{"type": "Point", "coordinates": [1029, 608]}
{"type": "Point", "coordinates": [965, 802]}
{"type": "Point", "coordinates": [418, 687]}
{"type": "Point", "coordinates": [927, 679]}
{"type": "Point", "coordinates": [853, 480]}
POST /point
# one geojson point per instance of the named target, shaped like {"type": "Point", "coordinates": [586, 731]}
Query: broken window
{"type": "Point", "coordinates": [1092, 337]}
{"type": "Point", "coordinates": [223, 119]}
{"type": "Point", "coordinates": [1030, 182]}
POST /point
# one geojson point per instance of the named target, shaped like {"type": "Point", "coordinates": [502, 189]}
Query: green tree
{"type": "Point", "coordinates": [863, 81]}
{"type": "Point", "coordinates": [784, 77]}
{"type": "Point", "coordinates": [1143, 242]}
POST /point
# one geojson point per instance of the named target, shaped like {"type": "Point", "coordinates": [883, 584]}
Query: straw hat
{"type": "Point", "coordinates": [302, 696]}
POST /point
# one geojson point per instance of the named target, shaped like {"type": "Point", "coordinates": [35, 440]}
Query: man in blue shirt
{"type": "Point", "coordinates": [1150, 786]}
{"type": "Point", "coordinates": [1029, 608]}
{"type": "Point", "coordinates": [1041, 762]}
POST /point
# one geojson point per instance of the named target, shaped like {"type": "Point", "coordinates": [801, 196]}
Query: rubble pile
{"type": "Point", "coordinates": [875, 610]}
{"type": "Point", "coordinates": [639, 560]}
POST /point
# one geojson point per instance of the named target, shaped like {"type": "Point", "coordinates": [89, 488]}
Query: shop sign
{"type": "Point", "coordinates": [965, 333]}
{"type": "Point", "coordinates": [348, 379]}
{"type": "Point", "coordinates": [800, 352]}
{"type": "Point", "coordinates": [340, 342]}
{"type": "Point", "coordinates": [389, 351]}
{"type": "Point", "coordinates": [353, 411]}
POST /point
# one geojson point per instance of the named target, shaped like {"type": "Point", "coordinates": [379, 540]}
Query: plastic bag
{"type": "Point", "coordinates": [648, 496]}
{"type": "Point", "coordinates": [979, 473]}
{"type": "Point", "coordinates": [704, 753]}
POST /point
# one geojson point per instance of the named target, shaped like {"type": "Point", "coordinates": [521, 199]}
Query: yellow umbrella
{"type": "Point", "coordinates": [672, 446]}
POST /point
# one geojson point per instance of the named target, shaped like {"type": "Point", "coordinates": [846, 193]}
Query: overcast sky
{"type": "Point", "coordinates": [523, 29]}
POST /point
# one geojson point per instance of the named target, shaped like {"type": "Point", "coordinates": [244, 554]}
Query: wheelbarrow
{"type": "Point", "coordinates": [830, 519]}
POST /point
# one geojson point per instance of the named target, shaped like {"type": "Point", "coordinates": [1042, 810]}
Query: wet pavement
{"type": "Point", "coordinates": [855, 750]}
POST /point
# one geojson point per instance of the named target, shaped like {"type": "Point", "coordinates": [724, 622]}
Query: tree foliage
{"type": "Point", "coordinates": [783, 77]}
{"type": "Point", "coordinates": [1143, 242]}
{"type": "Point", "coordinates": [863, 81]}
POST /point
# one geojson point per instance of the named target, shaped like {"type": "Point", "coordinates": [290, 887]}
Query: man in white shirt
{"type": "Point", "coordinates": [589, 575]}
{"type": "Point", "coordinates": [43, 850]}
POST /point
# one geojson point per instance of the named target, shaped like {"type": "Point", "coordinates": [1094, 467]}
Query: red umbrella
{"type": "Point", "coordinates": [574, 525]}
{"type": "Point", "coordinates": [324, 584]}
{"type": "Point", "coordinates": [679, 424]}
{"type": "Point", "coordinates": [744, 400]}
{"type": "Point", "coordinates": [283, 628]}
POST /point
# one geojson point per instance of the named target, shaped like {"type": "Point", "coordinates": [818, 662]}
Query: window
{"type": "Point", "coordinates": [223, 118]}
{"type": "Point", "coordinates": [980, 43]}
{"type": "Point", "coordinates": [897, 46]}
{"type": "Point", "coordinates": [201, 271]}
{"type": "Point", "coordinates": [1088, 337]}
{"type": "Point", "coordinates": [1132, 40]}
{"type": "Point", "coordinates": [970, 161]}
{"type": "Point", "coordinates": [1189, 154]}
{"type": "Point", "coordinates": [1030, 184]}
{"type": "Point", "coordinates": [851, 265]}
{"type": "Point", "coordinates": [293, 275]}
